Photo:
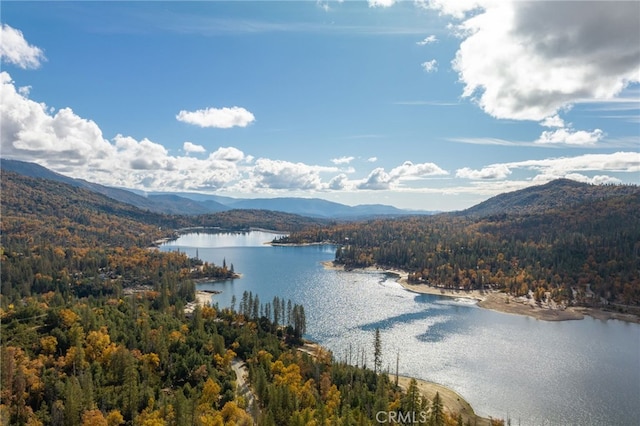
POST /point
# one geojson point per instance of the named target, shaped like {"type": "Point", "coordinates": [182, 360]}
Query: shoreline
{"type": "Point", "coordinates": [501, 302]}
{"type": "Point", "coordinates": [203, 298]}
{"type": "Point", "coordinates": [452, 401]}
{"type": "Point", "coordinates": [211, 230]}
{"type": "Point", "coordinates": [205, 280]}
{"type": "Point", "coordinates": [271, 243]}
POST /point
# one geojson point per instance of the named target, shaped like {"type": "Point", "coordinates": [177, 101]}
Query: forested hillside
{"type": "Point", "coordinates": [57, 236]}
{"type": "Point", "coordinates": [265, 219]}
{"type": "Point", "coordinates": [556, 195]}
{"type": "Point", "coordinates": [587, 253]}
{"type": "Point", "coordinates": [95, 329]}
{"type": "Point", "coordinates": [65, 239]}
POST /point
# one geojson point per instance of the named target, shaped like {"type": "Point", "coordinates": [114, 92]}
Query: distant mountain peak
{"type": "Point", "coordinates": [556, 194]}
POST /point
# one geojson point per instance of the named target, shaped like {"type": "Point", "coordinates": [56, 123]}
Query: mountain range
{"type": "Point", "coordinates": [185, 203]}
{"type": "Point", "coordinates": [557, 194]}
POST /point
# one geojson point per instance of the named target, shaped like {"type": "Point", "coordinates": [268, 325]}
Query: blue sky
{"type": "Point", "coordinates": [431, 104]}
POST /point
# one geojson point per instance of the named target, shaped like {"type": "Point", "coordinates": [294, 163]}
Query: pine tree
{"type": "Point", "coordinates": [377, 351]}
{"type": "Point", "coordinates": [276, 311]}
{"type": "Point", "coordinates": [411, 400]}
{"type": "Point", "coordinates": [130, 389]}
{"type": "Point", "coordinates": [437, 411]}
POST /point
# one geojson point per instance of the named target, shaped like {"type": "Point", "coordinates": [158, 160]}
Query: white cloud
{"type": "Point", "coordinates": [278, 174]}
{"type": "Point", "coordinates": [381, 3]}
{"type": "Point", "coordinates": [553, 121]}
{"type": "Point", "coordinates": [222, 118]}
{"type": "Point", "coordinates": [191, 147]}
{"type": "Point", "coordinates": [596, 180]}
{"type": "Point", "coordinates": [570, 137]}
{"type": "Point", "coordinates": [372, 159]}
{"type": "Point", "coordinates": [493, 172]}
{"type": "Point", "coordinates": [458, 9]}
{"type": "Point", "coordinates": [28, 128]}
{"type": "Point", "coordinates": [24, 90]}
{"type": "Point", "coordinates": [339, 182]}
{"type": "Point", "coordinates": [430, 66]}
{"type": "Point", "coordinates": [590, 168]}
{"type": "Point", "coordinates": [379, 179]}
{"type": "Point", "coordinates": [553, 168]}
{"type": "Point", "coordinates": [230, 154]}
{"type": "Point", "coordinates": [427, 40]}
{"type": "Point", "coordinates": [550, 56]}
{"type": "Point", "coordinates": [342, 160]}
{"type": "Point", "coordinates": [14, 49]}
{"type": "Point", "coordinates": [408, 170]}
{"type": "Point", "coordinates": [624, 108]}
{"type": "Point", "coordinates": [491, 141]}
{"type": "Point", "coordinates": [144, 154]}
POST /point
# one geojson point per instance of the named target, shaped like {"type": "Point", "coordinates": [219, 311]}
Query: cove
{"type": "Point", "coordinates": [535, 372]}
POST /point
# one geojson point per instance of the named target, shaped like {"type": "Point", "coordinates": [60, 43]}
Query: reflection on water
{"type": "Point", "coordinates": [572, 372]}
{"type": "Point", "coordinates": [224, 239]}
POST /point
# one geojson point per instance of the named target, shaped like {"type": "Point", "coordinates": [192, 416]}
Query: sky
{"type": "Point", "coordinates": [427, 104]}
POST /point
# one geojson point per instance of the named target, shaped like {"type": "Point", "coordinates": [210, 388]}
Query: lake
{"type": "Point", "coordinates": [584, 372]}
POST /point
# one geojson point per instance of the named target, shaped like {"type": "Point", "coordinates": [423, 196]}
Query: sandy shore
{"type": "Point", "coordinates": [458, 294]}
{"type": "Point", "coordinates": [203, 298]}
{"type": "Point", "coordinates": [451, 400]}
{"type": "Point", "coordinates": [501, 302]}
{"type": "Point", "coordinates": [403, 277]}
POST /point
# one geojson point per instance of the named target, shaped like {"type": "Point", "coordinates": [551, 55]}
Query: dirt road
{"type": "Point", "coordinates": [243, 389]}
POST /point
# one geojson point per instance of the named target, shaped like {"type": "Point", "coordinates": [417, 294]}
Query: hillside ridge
{"type": "Point", "coordinates": [186, 203]}
{"type": "Point", "coordinates": [554, 195]}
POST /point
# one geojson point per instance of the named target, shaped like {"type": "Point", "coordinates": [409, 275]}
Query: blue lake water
{"type": "Point", "coordinates": [536, 372]}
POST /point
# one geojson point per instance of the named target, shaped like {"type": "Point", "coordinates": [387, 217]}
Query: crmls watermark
{"type": "Point", "coordinates": [401, 417]}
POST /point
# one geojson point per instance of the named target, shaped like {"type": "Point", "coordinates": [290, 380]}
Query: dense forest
{"type": "Point", "coordinates": [95, 329]}
{"type": "Point", "coordinates": [585, 253]}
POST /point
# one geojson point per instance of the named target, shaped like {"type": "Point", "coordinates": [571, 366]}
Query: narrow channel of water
{"type": "Point", "coordinates": [583, 372]}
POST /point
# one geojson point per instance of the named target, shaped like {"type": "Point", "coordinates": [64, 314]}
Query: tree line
{"type": "Point", "coordinates": [278, 316]}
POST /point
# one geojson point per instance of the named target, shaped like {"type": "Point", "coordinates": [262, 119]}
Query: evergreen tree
{"type": "Point", "coordinates": [377, 351]}
{"type": "Point", "coordinates": [437, 411]}
{"type": "Point", "coordinates": [72, 401]}
{"type": "Point", "coordinates": [276, 311]}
